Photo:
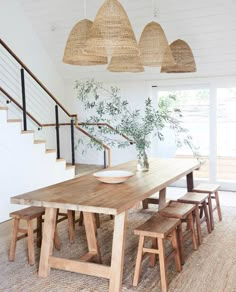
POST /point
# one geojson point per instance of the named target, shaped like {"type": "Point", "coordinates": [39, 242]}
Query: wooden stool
{"type": "Point", "coordinates": [184, 212]}
{"type": "Point", "coordinates": [27, 214]}
{"type": "Point", "coordinates": [212, 191]}
{"type": "Point", "coordinates": [159, 229]}
{"type": "Point", "coordinates": [200, 200]}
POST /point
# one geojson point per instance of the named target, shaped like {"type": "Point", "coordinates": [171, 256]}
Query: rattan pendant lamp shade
{"type": "Point", "coordinates": [154, 46]}
{"type": "Point", "coordinates": [183, 57]}
{"type": "Point", "coordinates": [111, 33]}
{"type": "Point", "coordinates": [73, 53]}
{"type": "Point", "coordinates": [131, 64]}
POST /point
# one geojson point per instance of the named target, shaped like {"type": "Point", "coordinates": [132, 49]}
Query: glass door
{"type": "Point", "coordinates": [194, 105]}
{"type": "Point", "coordinates": [226, 137]}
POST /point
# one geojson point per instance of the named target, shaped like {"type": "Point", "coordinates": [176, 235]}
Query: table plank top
{"type": "Point", "coordinates": [87, 194]}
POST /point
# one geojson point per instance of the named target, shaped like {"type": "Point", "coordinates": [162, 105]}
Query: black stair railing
{"type": "Point", "coordinates": [73, 117]}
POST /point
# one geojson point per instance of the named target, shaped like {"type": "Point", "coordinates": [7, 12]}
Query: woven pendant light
{"type": "Point", "coordinates": [154, 46]}
{"type": "Point", "coordinates": [111, 33]}
{"type": "Point", "coordinates": [183, 57]}
{"type": "Point", "coordinates": [73, 53]}
{"type": "Point", "coordinates": [125, 64]}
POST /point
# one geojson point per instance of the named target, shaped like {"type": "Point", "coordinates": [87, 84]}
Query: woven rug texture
{"type": "Point", "coordinates": [212, 268]}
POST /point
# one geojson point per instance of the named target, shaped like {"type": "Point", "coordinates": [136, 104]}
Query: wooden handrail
{"type": "Point", "coordinates": [109, 126]}
{"type": "Point", "coordinates": [97, 141]}
{"type": "Point", "coordinates": [35, 78]}
{"type": "Point", "coordinates": [19, 106]}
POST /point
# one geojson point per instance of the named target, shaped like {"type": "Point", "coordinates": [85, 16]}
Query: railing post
{"type": "Point", "coordinates": [23, 98]}
{"type": "Point", "coordinates": [57, 131]}
{"type": "Point", "coordinates": [72, 142]}
{"type": "Point", "coordinates": [105, 158]}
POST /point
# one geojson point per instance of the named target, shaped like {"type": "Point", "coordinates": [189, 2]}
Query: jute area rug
{"type": "Point", "coordinates": [210, 269]}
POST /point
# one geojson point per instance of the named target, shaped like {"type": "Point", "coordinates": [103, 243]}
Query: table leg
{"type": "Point", "coordinates": [162, 198]}
{"type": "Point", "coordinates": [189, 178]}
{"type": "Point", "coordinates": [47, 242]}
{"type": "Point", "coordinates": [91, 231]}
{"type": "Point", "coordinates": [118, 251]}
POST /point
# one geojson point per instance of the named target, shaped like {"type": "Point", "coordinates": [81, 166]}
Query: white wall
{"type": "Point", "coordinates": [24, 165]}
{"type": "Point", "coordinates": [17, 32]}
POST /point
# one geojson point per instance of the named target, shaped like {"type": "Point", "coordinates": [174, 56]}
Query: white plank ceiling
{"type": "Point", "coordinates": [208, 26]}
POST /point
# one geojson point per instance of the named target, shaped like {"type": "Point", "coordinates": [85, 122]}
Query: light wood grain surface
{"type": "Point", "coordinates": [88, 194]}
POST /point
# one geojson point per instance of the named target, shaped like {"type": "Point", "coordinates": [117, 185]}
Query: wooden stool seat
{"type": "Point", "coordinates": [159, 229]}
{"type": "Point", "coordinates": [200, 200]}
{"type": "Point", "coordinates": [184, 212]}
{"type": "Point", "coordinates": [212, 191]}
{"type": "Point", "coordinates": [157, 226]}
{"type": "Point", "coordinates": [207, 188]}
{"type": "Point", "coordinates": [29, 213]}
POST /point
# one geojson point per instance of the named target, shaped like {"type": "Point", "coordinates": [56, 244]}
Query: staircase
{"type": "Point", "coordinates": [26, 164]}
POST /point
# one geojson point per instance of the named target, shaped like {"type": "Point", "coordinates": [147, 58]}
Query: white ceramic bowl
{"type": "Point", "coordinates": [113, 176]}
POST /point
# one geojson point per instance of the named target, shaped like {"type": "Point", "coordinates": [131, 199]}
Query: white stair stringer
{"type": "Point", "coordinates": [25, 164]}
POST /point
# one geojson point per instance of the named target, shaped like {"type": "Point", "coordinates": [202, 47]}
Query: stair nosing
{"type": "Point", "coordinates": [14, 120]}
{"type": "Point", "coordinates": [27, 132]}
{"type": "Point", "coordinates": [48, 151]}
{"type": "Point", "coordinates": [39, 142]}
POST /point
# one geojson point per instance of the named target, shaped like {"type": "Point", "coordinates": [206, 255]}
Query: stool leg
{"type": "Point", "coordinates": [30, 242]}
{"type": "Point", "coordinates": [153, 255]}
{"type": "Point", "coordinates": [71, 225]}
{"type": "Point", "coordinates": [39, 230]}
{"type": "Point", "coordinates": [198, 223]}
{"type": "Point", "coordinates": [181, 243]}
{"type": "Point", "coordinates": [204, 205]}
{"type": "Point", "coordinates": [81, 219]}
{"type": "Point", "coordinates": [57, 242]}
{"type": "Point", "coordinates": [97, 220]}
{"type": "Point", "coordinates": [145, 204]}
{"type": "Point", "coordinates": [175, 246]}
{"type": "Point", "coordinates": [210, 211]}
{"type": "Point", "coordinates": [218, 205]}
{"type": "Point", "coordinates": [191, 226]}
{"type": "Point", "coordinates": [138, 261]}
{"type": "Point", "coordinates": [12, 252]}
{"type": "Point", "coordinates": [161, 246]}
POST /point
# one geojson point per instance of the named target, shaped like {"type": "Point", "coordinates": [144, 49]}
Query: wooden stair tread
{"type": "Point", "coordinates": [70, 167]}
{"type": "Point", "coordinates": [14, 120]}
{"type": "Point", "coordinates": [157, 226]}
{"type": "Point", "coordinates": [27, 132]}
{"type": "Point", "coordinates": [3, 108]}
{"type": "Point", "coordinates": [39, 142]}
{"type": "Point", "coordinates": [28, 213]}
{"type": "Point", "coordinates": [60, 159]}
{"type": "Point", "coordinates": [50, 151]}
{"type": "Point", "coordinates": [206, 188]}
{"type": "Point", "coordinates": [194, 198]}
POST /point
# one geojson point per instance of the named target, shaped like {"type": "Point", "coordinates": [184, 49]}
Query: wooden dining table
{"type": "Point", "coordinates": [91, 196]}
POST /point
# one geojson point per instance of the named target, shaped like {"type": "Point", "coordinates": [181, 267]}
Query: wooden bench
{"type": "Point", "coordinates": [200, 201]}
{"type": "Point", "coordinates": [159, 229]}
{"type": "Point", "coordinates": [212, 191]}
{"type": "Point", "coordinates": [28, 215]}
{"type": "Point", "coordinates": [184, 212]}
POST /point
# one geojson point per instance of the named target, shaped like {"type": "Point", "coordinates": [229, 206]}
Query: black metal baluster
{"type": "Point", "coordinates": [23, 98]}
{"type": "Point", "coordinates": [57, 131]}
{"type": "Point", "coordinates": [72, 142]}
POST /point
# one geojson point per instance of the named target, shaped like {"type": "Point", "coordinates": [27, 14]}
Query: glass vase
{"type": "Point", "coordinates": [142, 161]}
